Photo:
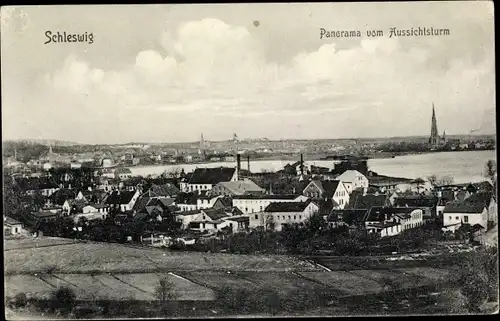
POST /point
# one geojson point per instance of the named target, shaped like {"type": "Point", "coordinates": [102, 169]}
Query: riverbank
{"type": "Point", "coordinates": [307, 157]}
{"type": "Point", "coordinates": [463, 167]}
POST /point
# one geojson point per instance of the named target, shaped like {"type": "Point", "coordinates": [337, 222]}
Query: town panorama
{"type": "Point", "coordinates": [211, 166]}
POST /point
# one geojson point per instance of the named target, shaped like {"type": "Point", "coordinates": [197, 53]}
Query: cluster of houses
{"type": "Point", "coordinates": [228, 199]}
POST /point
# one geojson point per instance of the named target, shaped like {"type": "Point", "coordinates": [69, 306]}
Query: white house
{"type": "Point", "coordinates": [331, 189]}
{"type": "Point", "coordinates": [390, 221]}
{"type": "Point", "coordinates": [238, 223]}
{"type": "Point", "coordinates": [257, 203]}
{"type": "Point", "coordinates": [205, 220]}
{"type": "Point", "coordinates": [413, 218]}
{"type": "Point", "coordinates": [356, 179]}
{"type": "Point", "coordinates": [12, 226]}
{"type": "Point", "coordinates": [385, 229]}
{"type": "Point", "coordinates": [76, 165]}
{"type": "Point", "coordinates": [204, 179]}
{"type": "Point", "coordinates": [102, 209]}
{"type": "Point", "coordinates": [107, 162]}
{"type": "Point", "coordinates": [72, 206]}
{"type": "Point", "coordinates": [206, 201]}
{"type": "Point", "coordinates": [277, 215]}
{"type": "Point", "coordinates": [186, 217]}
{"type": "Point", "coordinates": [123, 200]}
{"type": "Point", "coordinates": [123, 173]}
{"type": "Point", "coordinates": [46, 166]}
{"type": "Point", "coordinates": [457, 213]}
{"type": "Point", "coordinates": [108, 173]}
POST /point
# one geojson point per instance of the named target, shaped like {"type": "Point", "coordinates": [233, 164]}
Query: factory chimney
{"type": "Point", "coordinates": [238, 164]}
{"type": "Point", "coordinates": [301, 164]}
{"type": "Point", "coordinates": [248, 163]}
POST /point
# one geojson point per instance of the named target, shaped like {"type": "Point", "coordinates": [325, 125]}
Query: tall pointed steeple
{"type": "Point", "coordinates": [434, 139]}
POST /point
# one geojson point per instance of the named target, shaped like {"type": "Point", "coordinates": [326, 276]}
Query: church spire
{"type": "Point", "coordinates": [434, 139]}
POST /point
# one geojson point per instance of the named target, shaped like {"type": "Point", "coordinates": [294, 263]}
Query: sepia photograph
{"type": "Point", "coordinates": [178, 161]}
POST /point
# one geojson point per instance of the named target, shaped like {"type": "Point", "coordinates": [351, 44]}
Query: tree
{"type": "Point", "coordinates": [269, 222]}
{"type": "Point", "coordinates": [491, 170]}
{"type": "Point", "coordinates": [476, 277]}
{"type": "Point", "coordinates": [164, 292]}
{"type": "Point", "coordinates": [419, 182]}
{"type": "Point", "coordinates": [315, 224]}
{"type": "Point", "coordinates": [432, 179]}
{"type": "Point", "coordinates": [20, 300]}
{"type": "Point", "coordinates": [64, 298]}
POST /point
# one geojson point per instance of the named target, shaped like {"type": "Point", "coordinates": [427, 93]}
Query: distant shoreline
{"type": "Point", "coordinates": [294, 158]}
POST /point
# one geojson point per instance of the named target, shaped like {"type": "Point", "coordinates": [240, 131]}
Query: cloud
{"type": "Point", "coordinates": [208, 67]}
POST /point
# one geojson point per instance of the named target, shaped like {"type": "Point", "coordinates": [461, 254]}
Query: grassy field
{"type": "Point", "coordinates": [344, 282]}
{"type": "Point", "coordinates": [16, 243]}
{"type": "Point", "coordinates": [101, 271]}
{"type": "Point", "coordinates": [116, 258]}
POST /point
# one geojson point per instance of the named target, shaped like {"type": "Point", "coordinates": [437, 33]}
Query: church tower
{"type": "Point", "coordinates": [434, 139]}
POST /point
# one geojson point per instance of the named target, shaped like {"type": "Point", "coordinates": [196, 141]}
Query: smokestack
{"type": "Point", "coordinates": [301, 164]}
{"type": "Point", "coordinates": [248, 163]}
{"type": "Point", "coordinates": [238, 162]}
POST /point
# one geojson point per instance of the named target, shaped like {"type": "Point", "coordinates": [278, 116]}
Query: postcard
{"type": "Point", "coordinates": [249, 160]}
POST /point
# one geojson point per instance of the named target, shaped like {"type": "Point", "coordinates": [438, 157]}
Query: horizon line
{"type": "Point", "coordinates": [229, 140]}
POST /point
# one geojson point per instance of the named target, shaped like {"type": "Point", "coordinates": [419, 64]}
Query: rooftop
{"type": "Point", "coordinates": [268, 197]}
{"type": "Point", "coordinates": [167, 189]}
{"type": "Point", "coordinates": [120, 197]}
{"type": "Point", "coordinates": [367, 201]}
{"type": "Point", "coordinates": [348, 216]}
{"type": "Point", "coordinates": [242, 187]}
{"type": "Point", "coordinates": [286, 207]}
{"type": "Point", "coordinates": [211, 175]}
{"type": "Point", "coordinates": [215, 214]}
{"type": "Point", "coordinates": [238, 218]}
{"type": "Point", "coordinates": [464, 207]}
{"type": "Point", "coordinates": [11, 221]}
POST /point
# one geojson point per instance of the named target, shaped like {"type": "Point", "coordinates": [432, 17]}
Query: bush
{"type": "Point", "coordinates": [20, 300]}
{"type": "Point", "coordinates": [64, 299]}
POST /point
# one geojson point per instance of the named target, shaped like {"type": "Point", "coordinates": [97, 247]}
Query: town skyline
{"type": "Point", "coordinates": [256, 77]}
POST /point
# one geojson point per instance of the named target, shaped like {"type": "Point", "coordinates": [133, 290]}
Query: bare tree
{"type": "Point", "coordinates": [270, 224]}
{"type": "Point", "coordinates": [491, 170]}
{"type": "Point", "coordinates": [164, 291]}
{"type": "Point", "coordinates": [445, 180]}
{"type": "Point", "coordinates": [419, 182]}
{"type": "Point", "coordinates": [432, 179]}
{"type": "Point", "coordinates": [173, 172]}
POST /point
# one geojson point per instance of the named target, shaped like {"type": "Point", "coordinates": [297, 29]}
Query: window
{"type": "Point", "coordinates": [256, 216]}
{"type": "Point", "coordinates": [466, 219]}
{"type": "Point", "coordinates": [215, 225]}
{"type": "Point", "coordinates": [300, 216]}
{"type": "Point", "coordinates": [295, 217]}
{"type": "Point", "coordinates": [203, 225]}
{"type": "Point", "coordinates": [289, 217]}
{"type": "Point", "coordinates": [456, 217]}
{"type": "Point", "coordinates": [449, 217]}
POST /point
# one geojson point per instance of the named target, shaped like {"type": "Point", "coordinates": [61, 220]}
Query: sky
{"type": "Point", "coordinates": [167, 73]}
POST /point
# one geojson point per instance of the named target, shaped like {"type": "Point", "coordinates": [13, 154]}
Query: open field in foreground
{"type": "Point", "coordinates": [100, 271]}
{"type": "Point", "coordinates": [116, 258]}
